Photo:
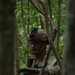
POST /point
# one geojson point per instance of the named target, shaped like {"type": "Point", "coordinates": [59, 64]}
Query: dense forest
{"type": "Point", "coordinates": [19, 17]}
{"type": "Point", "coordinates": [30, 16]}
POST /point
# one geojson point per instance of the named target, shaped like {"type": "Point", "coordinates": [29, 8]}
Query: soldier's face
{"type": "Point", "coordinates": [37, 47]}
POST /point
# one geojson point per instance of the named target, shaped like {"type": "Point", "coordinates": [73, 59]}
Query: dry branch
{"type": "Point", "coordinates": [39, 10]}
{"type": "Point", "coordinates": [50, 40]}
{"type": "Point", "coordinates": [48, 53]}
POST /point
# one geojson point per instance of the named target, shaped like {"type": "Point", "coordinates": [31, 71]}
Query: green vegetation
{"type": "Point", "coordinates": [31, 18]}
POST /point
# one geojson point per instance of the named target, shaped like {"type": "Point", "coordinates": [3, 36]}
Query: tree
{"type": "Point", "coordinates": [7, 36]}
{"type": "Point", "coordinates": [69, 45]}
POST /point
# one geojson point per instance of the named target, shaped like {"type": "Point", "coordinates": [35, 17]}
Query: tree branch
{"type": "Point", "coordinates": [49, 19]}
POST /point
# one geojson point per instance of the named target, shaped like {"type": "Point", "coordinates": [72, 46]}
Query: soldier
{"type": "Point", "coordinates": [38, 42]}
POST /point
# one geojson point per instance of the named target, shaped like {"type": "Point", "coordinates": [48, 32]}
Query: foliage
{"type": "Point", "coordinates": [33, 15]}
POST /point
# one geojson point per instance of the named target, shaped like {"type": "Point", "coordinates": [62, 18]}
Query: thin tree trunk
{"type": "Point", "coordinates": [7, 33]}
{"type": "Point", "coordinates": [50, 8]}
{"type": "Point", "coordinates": [58, 23]}
{"type": "Point", "coordinates": [69, 49]}
{"type": "Point", "coordinates": [17, 58]}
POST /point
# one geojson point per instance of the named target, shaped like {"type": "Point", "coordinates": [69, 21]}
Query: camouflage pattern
{"type": "Point", "coordinates": [39, 35]}
{"type": "Point", "coordinates": [51, 68]}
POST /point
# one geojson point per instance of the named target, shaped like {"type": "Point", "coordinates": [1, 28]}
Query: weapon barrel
{"type": "Point", "coordinates": [30, 70]}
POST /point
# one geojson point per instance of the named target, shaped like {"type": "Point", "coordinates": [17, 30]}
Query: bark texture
{"type": "Point", "coordinates": [69, 47]}
{"type": "Point", "coordinates": [7, 35]}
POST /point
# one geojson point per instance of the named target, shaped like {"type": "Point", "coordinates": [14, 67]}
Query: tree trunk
{"type": "Point", "coordinates": [16, 55]}
{"type": "Point", "coordinates": [7, 35]}
{"type": "Point", "coordinates": [69, 48]}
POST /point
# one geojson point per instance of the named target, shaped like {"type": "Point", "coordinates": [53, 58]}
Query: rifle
{"type": "Point", "coordinates": [29, 71]}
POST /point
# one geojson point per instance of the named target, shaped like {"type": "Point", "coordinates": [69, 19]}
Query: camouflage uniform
{"type": "Point", "coordinates": [52, 67]}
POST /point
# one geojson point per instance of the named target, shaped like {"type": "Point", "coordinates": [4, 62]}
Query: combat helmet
{"type": "Point", "coordinates": [38, 35]}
